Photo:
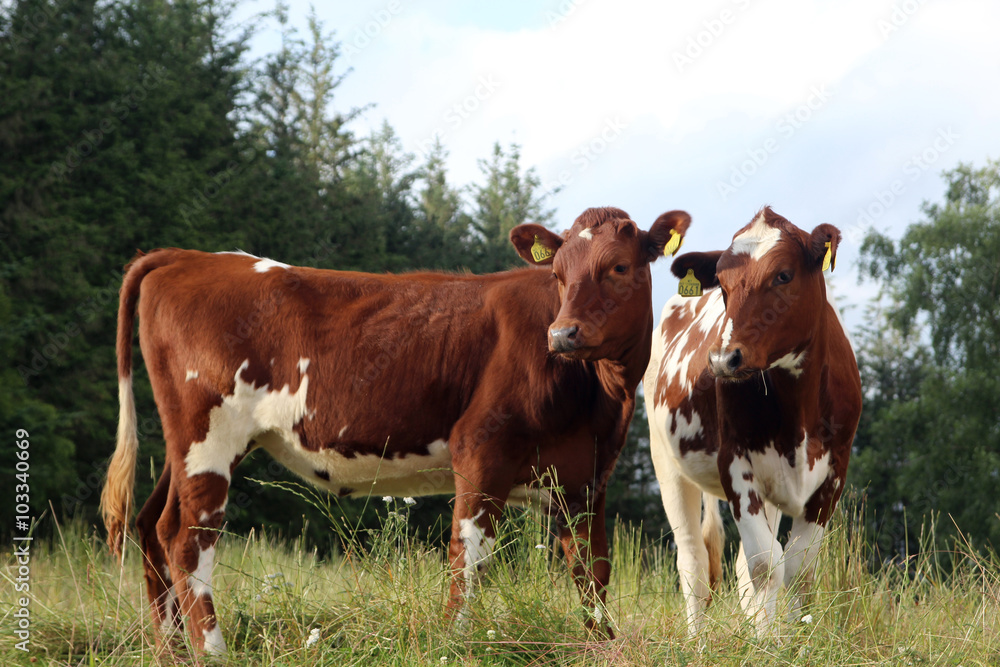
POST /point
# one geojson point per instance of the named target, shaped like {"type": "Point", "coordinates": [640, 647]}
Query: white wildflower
{"type": "Point", "coordinates": [313, 637]}
{"type": "Point", "coordinates": [387, 499]}
{"type": "Point", "coordinates": [540, 546]}
{"type": "Point", "coordinates": [491, 634]}
{"type": "Point", "coordinates": [807, 619]}
{"type": "Point", "coordinates": [444, 658]}
{"type": "Point", "coordinates": [409, 501]}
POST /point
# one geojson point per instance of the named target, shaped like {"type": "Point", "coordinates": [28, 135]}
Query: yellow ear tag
{"type": "Point", "coordinates": [540, 253]}
{"type": "Point", "coordinates": [828, 258]}
{"type": "Point", "coordinates": [674, 243]}
{"type": "Point", "coordinates": [689, 285]}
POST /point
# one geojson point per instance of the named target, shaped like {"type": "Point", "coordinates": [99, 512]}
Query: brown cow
{"type": "Point", "coordinates": [753, 396]}
{"type": "Point", "coordinates": [415, 384]}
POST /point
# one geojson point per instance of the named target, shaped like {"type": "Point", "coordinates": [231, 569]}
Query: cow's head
{"type": "Point", "coordinates": [774, 293]}
{"type": "Point", "coordinates": [601, 265]}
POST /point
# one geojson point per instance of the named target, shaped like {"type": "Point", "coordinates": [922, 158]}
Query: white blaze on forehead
{"type": "Point", "coordinates": [247, 412]}
{"type": "Point", "coordinates": [303, 365]}
{"type": "Point", "coordinates": [587, 234]}
{"type": "Point", "coordinates": [265, 265]}
{"type": "Point", "coordinates": [756, 241]}
{"type": "Point", "coordinates": [727, 334]}
{"type": "Point", "coordinates": [191, 375]}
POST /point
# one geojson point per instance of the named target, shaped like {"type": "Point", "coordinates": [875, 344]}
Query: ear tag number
{"type": "Point", "coordinates": [674, 243]}
{"type": "Point", "coordinates": [828, 261]}
{"type": "Point", "coordinates": [540, 253]}
{"type": "Point", "coordinates": [689, 285]}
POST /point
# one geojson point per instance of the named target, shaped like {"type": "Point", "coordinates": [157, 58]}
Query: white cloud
{"type": "Point", "coordinates": [897, 71]}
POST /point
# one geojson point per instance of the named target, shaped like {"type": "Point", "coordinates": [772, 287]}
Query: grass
{"type": "Point", "coordinates": [383, 605]}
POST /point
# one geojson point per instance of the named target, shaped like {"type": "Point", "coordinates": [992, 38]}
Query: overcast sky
{"type": "Point", "coordinates": [839, 111]}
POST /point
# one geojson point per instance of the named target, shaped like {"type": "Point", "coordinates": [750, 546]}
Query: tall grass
{"type": "Point", "coordinates": [381, 602]}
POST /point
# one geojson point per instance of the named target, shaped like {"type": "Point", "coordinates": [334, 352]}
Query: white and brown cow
{"type": "Point", "coordinates": [413, 384]}
{"type": "Point", "coordinates": [753, 396]}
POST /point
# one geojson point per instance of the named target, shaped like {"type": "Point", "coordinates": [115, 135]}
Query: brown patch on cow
{"type": "Point", "coordinates": [748, 476]}
{"type": "Point", "coordinates": [754, 503]}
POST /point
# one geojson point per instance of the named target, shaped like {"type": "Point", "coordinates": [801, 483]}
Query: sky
{"type": "Point", "coordinates": [836, 111]}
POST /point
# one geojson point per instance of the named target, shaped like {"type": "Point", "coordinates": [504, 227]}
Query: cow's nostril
{"type": "Point", "coordinates": [735, 359]}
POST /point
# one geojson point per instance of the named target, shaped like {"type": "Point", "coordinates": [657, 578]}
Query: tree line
{"type": "Point", "coordinates": [135, 125]}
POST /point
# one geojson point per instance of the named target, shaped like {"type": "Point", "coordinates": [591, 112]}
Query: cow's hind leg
{"type": "Point", "coordinates": [159, 583]}
{"type": "Point", "coordinates": [195, 511]}
{"type": "Point", "coordinates": [585, 544]}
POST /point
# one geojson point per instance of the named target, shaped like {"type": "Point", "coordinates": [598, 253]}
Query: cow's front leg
{"type": "Point", "coordinates": [761, 552]}
{"type": "Point", "coordinates": [585, 545]}
{"type": "Point", "coordinates": [473, 536]}
{"type": "Point", "coordinates": [800, 561]}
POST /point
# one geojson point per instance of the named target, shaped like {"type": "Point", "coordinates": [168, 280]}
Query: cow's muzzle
{"type": "Point", "coordinates": [565, 339]}
{"type": "Point", "coordinates": [728, 365]}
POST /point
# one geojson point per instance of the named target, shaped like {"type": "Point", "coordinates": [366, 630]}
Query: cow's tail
{"type": "Point", "coordinates": [118, 496]}
{"type": "Point", "coordinates": [715, 538]}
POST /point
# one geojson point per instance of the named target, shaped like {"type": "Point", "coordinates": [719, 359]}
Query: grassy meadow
{"type": "Point", "coordinates": [382, 604]}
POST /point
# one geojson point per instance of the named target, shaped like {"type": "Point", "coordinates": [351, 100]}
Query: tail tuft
{"type": "Point", "coordinates": [715, 538]}
{"type": "Point", "coordinates": [118, 496]}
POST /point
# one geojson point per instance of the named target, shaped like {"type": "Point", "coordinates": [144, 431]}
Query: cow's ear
{"type": "Point", "coordinates": [823, 244]}
{"type": "Point", "coordinates": [666, 234]}
{"type": "Point", "coordinates": [703, 265]}
{"type": "Point", "coordinates": [535, 244]}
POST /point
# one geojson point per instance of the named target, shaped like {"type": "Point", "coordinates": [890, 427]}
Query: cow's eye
{"type": "Point", "coordinates": [783, 277]}
{"type": "Point", "coordinates": [621, 268]}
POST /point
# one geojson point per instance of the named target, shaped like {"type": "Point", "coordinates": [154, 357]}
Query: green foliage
{"type": "Point", "coordinates": [929, 440]}
{"type": "Point", "coordinates": [137, 125]}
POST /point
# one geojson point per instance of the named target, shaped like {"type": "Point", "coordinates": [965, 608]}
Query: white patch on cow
{"type": "Point", "coordinates": [214, 643]}
{"type": "Point", "coordinates": [200, 581]}
{"type": "Point", "coordinates": [791, 362]}
{"type": "Point", "coordinates": [363, 474]}
{"type": "Point", "coordinates": [303, 365]}
{"type": "Point", "coordinates": [539, 499]}
{"type": "Point", "coordinates": [756, 241]}
{"type": "Point", "coordinates": [247, 413]}
{"type": "Point", "coordinates": [727, 333]}
{"type": "Point", "coordinates": [342, 432]}
{"type": "Point", "coordinates": [478, 549]}
{"type": "Point", "coordinates": [191, 375]}
{"type": "Point", "coordinates": [586, 234]}
{"type": "Point", "coordinates": [788, 487]}
{"type": "Point", "coordinates": [167, 626]}
{"type": "Point", "coordinates": [265, 265]}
